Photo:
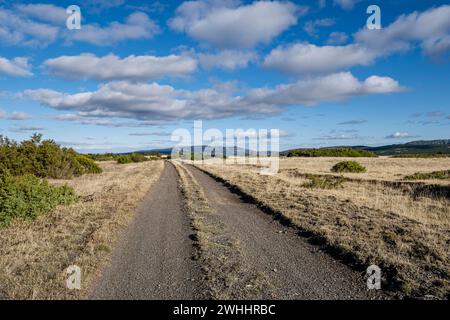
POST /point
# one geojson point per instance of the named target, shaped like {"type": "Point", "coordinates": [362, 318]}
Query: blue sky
{"type": "Point", "coordinates": [137, 70]}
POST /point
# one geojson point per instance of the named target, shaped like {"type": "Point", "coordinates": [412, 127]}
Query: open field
{"type": "Point", "coordinates": [34, 255]}
{"type": "Point", "coordinates": [367, 218]}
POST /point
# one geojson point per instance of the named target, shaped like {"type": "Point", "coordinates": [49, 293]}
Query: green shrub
{"type": "Point", "coordinates": [88, 165]}
{"type": "Point", "coordinates": [325, 182]}
{"type": "Point", "coordinates": [44, 159]}
{"type": "Point", "coordinates": [130, 158]}
{"type": "Point", "coordinates": [331, 152]}
{"type": "Point", "coordinates": [348, 166]}
{"type": "Point", "coordinates": [26, 197]}
{"type": "Point", "coordinates": [440, 175]}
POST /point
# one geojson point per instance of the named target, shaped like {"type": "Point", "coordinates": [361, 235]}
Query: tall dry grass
{"type": "Point", "coordinates": [34, 255]}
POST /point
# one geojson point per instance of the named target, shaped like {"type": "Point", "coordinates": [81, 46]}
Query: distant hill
{"type": "Point", "coordinates": [413, 147]}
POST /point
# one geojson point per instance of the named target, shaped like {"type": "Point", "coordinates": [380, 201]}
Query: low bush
{"type": "Point", "coordinates": [26, 197]}
{"type": "Point", "coordinates": [325, 182]}
{"type": "Point", "coordinates": [439, 175]}
{"type": "Point", "coordinates": [348, 166]}
{"type": "Point", "coordinates": [131, 158]}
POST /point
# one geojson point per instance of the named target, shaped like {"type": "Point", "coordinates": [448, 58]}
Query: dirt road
{"type": "Point", "coordinates": [153, 260]}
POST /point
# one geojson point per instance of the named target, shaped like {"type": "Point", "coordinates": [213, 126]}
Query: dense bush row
{"type": "Point", "coordinates": [330, 152]}
{"type": "Point", "coordinates": [44, 159]}
{"type": "Point", "coordinates": [130, 158]}
{"type": "Point", "coordinates": [125, 158]}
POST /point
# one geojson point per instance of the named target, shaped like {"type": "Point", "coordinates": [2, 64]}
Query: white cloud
{"type": "Point", "coordinates": [44, 12]}
{"type": "Point", "coordinates": [137, 26]}
{"type": "Point", "coordinates": [227, 59]}
{"type": "Point", "coordinates": [155, 102]}
{"type": "Point", "coordinates": [17, 67]}
{"type": "Point", "coordinates": [17, 29]}
{"type": "Point", "coordinates": [227, 24]}
{"type": "Point", "coordinates": [430, 29]}
{"type": "Point", "coordinates": [399, 135]}
{"type": "Point", "coordinates": [304, 58]}
{"type": "Point", "coordinates": [112, 67]}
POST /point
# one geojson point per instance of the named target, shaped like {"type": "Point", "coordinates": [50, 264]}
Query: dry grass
{"type": "Point", "coordinates": [367, 222]}
{"type": "Point", "coordinates": [34, 256]}
{"type": "Point", "coordinates": [219, 253]}
{"type": "Point", "coordinates": [382, 168]}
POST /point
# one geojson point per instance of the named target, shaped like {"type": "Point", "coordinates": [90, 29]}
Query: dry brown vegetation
{"type": "Point", "coordinates": [219, 254]}
{"type": "Point", "coordinates": [369, 218]}
{"type": "Point", "coordinates": [34, 255]}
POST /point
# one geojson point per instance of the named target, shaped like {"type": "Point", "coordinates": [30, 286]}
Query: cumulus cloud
{"type": "Point", "coordinates": [112, 67]}
{"type": "Point", "coordinates": [228, 24]}
{"type": "Point", "coordinates": [227, 59]}
{"type": "Point", "coordinates": [429, 29]}
{"type": "Point", "coordinates": [304, 58]}
{"type": "Point", "coordinates": [137, 26]}
{"type": "Point", "coordinates": [155, 102]}
{"type": "Point", "coordinates": [17, 67]}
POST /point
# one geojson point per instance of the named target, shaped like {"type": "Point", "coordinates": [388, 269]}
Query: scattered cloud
{"type": "Point", "coordinates": [17, 29]}
{"type": "Point", "coordinates": [336, 38]}
{"type": "Point", "coordinates": [337, 137]}
{"type": "Point", "coordinates": [155, 102]}
{"type": "Point", "coordinates": [112, 67]}
{"type": "Point", "coordinates": [43, 12]}
{"type": "Point", "coordinates": [18, 116]}
{"type": "Point", "coordinates": [227, 59]}
{"type": "Point", "coordinates": [400, 135]}
{"type": "Point", "coordinates": [17, 67]}
{"type": "Point", "coordinates": [353, 122]}
{"type": "Point", "coordinates": [26, 129]}
{"type": "Point", "coordinates": [346, 4]}
{"type": "Point", "coordinates": [227, 24]}
{"type": "Point", "coordinates": [311, 26]}
{"type": "Point", "coordinates": [143, 134]}
{"type": "Point", "coordinates": [137, 26]}
{"type": "Point", "coordinates": [435, 114]}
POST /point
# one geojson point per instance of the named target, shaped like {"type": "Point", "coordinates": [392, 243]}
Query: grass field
{"type": "Point", "coordinates": [35, 254]}
{"type": "Point", "coordinates": [364, 218]}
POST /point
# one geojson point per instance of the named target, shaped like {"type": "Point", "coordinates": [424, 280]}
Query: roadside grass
{"type": "Point", "coordinates": [219, 254]}
{"type": "Point", "coordinates": [34, 256]}
{"type": "Point", "coordinates": [438, 175]}
{"type": "Point", "coordinates": [362, 223]}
